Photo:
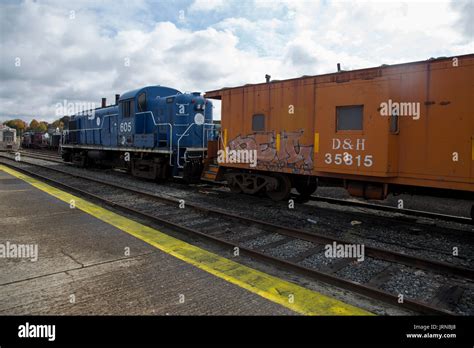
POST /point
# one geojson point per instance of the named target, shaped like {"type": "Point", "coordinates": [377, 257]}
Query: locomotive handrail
{"type": "Point", "coordinates": [138, 113]}
{"type": "Point", "coordinates": [162, 124]}
{"type": "Point", "coordinates": [89, 129]}
{"type": "Point", "coordinates": [207, 135]}
{"type": "Point", "coordinates": [208, 129]}
{"type": "Point", "coordinates": [179, 139]}
{"type": "Point", "coordinates": [171, 138]}
{"type": "Point", "coordinates": [204, 129]}
{"type": "Point", "coordinates": [184, 134]}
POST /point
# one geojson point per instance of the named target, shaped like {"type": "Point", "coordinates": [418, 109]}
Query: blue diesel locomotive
{"type": "Point", "coordinates": [154, 132]}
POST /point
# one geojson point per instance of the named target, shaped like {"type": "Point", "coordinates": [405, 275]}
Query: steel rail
{"type": "Point", "coordinates": [378, 253]}
{"type": "Point", "coordinates": [411, 212]}
{"type": "Point", "coordinates": [325, 277]}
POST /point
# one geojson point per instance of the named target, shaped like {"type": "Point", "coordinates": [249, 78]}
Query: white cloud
{"type": "Point", "coordinates": [207, 5]}
{"type": "Point", "coordinates": [82, 59]}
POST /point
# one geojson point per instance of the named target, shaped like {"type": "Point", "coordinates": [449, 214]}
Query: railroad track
{"type": "Point", "coordinates": [295, 250]}
{"type": "Point", "coordinates": [405, 213]}
{"type": "Point", "coordinates": [370, 214]}
{"type": "Point", "coordinates": [380, 207]}
{"type": "Point", "coordinates": [332, 220]}
{"type": "Point", "coordinates": [40, 155]}
{"type": "Point", "coordinates": [336, 201]}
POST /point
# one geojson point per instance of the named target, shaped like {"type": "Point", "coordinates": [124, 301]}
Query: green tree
{"type": "Point", "coordinates": [17, 124]}
{"type": "Point", "coordinates": [58, 124]}
{"type": "Point", "coordinates": [21, 125]}
{"type": "Point", "coordinates": [34, 125]}
{"type": "Point", "coordinates": [43, 126]}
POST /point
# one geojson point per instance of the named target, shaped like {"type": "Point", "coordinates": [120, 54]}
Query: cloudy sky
{"type": "Point", "coordinates": [80, 51]}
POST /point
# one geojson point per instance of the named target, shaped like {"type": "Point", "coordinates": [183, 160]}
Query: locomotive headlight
{"type": "Point", "coordinates": [199, 119]}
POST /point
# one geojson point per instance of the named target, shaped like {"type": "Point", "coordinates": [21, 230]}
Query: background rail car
{"type": "Point", "coordinates": [8, 140]}
{"type": "Point", "coordinates": [34, 140]}
{"type": "Point", "coordinates": [54, 139]}
{"type": "Point", "coordinates": [378, 130]}
{"type": "Point", "coordinates": [50, 140]}
{"type": "Point", "coordinates": [154, 132]}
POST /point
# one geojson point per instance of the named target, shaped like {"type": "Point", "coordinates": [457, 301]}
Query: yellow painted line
{"type": "Point", "coordinates": [316, 142]}
{"type": "Point", "coordinates": [287, 294]}
{"type": "Point", "coordinates": [278, 142]}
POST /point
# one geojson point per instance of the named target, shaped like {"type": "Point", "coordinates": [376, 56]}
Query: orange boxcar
{"type": "Point", "coordinates": [376, 130]}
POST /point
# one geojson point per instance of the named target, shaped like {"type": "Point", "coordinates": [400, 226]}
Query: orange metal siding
{"type": "Point", "coordinates": [421, 153]}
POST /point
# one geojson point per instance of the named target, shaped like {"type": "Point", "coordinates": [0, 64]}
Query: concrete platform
{"type": "Point", "coordinates": [87, 266]}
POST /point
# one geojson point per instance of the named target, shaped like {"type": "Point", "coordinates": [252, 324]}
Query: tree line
{"type": "Point", "coordinates": [36, 126]}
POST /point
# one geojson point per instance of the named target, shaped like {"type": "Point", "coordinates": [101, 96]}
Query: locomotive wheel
{"type": "Point", "coordinates": [306, 187]}
{"type": "Point", "coordinates": [80, 160]}
{"type": "Point", "coordinates": [67, 157]}
{"type": "Point", "coordinates": [282, 192]}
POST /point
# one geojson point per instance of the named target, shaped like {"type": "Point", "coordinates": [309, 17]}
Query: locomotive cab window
{"type": "Point", "coordinates": [142, 102]}
{"type": "Point", "coordinates": [127, 108]}
{"type": "Point", "coordinates": [349, 117]}
{"type": "Point", "coordinates": [258, 123]}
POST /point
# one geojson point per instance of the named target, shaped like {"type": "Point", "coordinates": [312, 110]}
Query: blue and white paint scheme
{"type": "Point", "coordinates": [153, 119]}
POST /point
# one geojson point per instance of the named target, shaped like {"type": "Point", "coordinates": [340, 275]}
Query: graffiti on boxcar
{"type": "Point", "coordinates": [292, 153]}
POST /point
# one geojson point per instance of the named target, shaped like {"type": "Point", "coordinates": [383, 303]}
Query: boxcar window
{"type": "Point", "coordinates": [349, 117]}
{"type": "Point", "coordinates": [142, 102]}
{"type": "Point", "coordinates": [258, 123]}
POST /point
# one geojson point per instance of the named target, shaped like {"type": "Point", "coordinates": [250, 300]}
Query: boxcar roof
{"type": "Point", "coordinates": [217, 93]}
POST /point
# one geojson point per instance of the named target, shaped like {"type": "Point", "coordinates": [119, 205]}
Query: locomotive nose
{"type": "Point", "coordinates": [199, 107]}
{"type": "Point", "coordinates": [199, 103]}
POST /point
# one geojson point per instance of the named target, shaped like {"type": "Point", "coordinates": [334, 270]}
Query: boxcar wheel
{"type": "Point", "coordinates": [282, 192]}
{"type": "Point", "coordinates": [306, 187]}
{"type": "Point", "coordinates": [235, 188]}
